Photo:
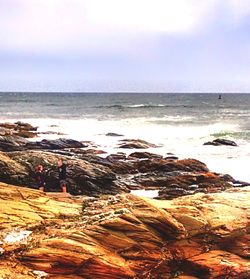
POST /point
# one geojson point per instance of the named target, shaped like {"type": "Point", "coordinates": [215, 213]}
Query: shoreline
{"type": "Point", "coordinates": [136, 165]}
{"type": "Point", "coordinates": [223, 159]}
{"type": "Point", "coordinates": [100, 230]}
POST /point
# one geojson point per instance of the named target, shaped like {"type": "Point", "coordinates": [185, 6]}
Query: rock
{"type": "Point", "coordinates": [124, 236]}
{"type": "Point", "coordinates": [26, 134]}
{"type": "Point", "coordinates": [51, 133]}
{"type": "Point", "coordinates": [16, 143]}
{"type": "Point", "coordinates": [136, 144]}
{"type": "Point", "coordinates": [114, 135]}
{"type": "Point", "coordinates": [12, 143]}
{"type": "Point", "coordinates": [61, 143]}
{"type": "Point", "coordinates": [171, 158]}
{"type": "Point", "coordinates": [19, 129]}
{"type": "Point", "coordinates": [219, 264]}
{"type": "Point", "coordinates": [171, 178]}
{"type": "Point", "coordinates": [116, 157]}
{"type": "Point", "coordinates": [218, 142]}
{"type": "Point", "coordinates": [144, 155]}
{"type": "Point", "coordinates": [18, 168]}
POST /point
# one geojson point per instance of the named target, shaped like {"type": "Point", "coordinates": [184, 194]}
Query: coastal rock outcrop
{"type": "Point", "coordinates": [218, 142]}
{"type": "Point", "coordinates": [83, 177]}
{"type": "Point", "coordinates": [123, 236]}
{"type": "Point", "coordinates": [136, 144]}
{"type": "Point", "coordinates": [19, 128]}
{"type": "Point", "coordinates": [16, 143]}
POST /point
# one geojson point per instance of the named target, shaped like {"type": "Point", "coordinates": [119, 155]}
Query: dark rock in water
{"type": "Point", "coordinates": [51, 133]}
{"type": "Point", "coordinates": [25, 126]}
{"type": "Point", "coordinates": [114, 135]}
{"type": "Point", "coordinates": [55, 144]}
{"type": "Point", "coordinates": [83, 177]}
{"type": "Point", "coordinates": [136, 144]}
{"type": "Point", "coordinates": [16, 143]}
{"type": "Point", "coordinates": [218, 142]}
{"type": "Point", "coordinates": [144, 155]}
{"type": "Point", "coordinates": [18, 126]}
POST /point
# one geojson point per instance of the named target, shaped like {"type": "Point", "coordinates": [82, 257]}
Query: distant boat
{"type": "Point", "coordinates": [219, 97]}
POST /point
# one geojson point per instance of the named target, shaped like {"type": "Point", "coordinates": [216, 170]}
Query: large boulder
{"type": "Point", "coordinates": [136, 144]}
{"type": "Point", "coordinates": [83, 177]}
{"type": "Point", "coordinates": [123, 236]}
{"type": "Point", "coordinates": [218, 142]}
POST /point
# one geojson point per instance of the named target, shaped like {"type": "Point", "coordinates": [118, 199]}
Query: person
{"type": "Point", "coordinates": [40, 178]}
{"type": "Point", "coordinates": [62, 175]}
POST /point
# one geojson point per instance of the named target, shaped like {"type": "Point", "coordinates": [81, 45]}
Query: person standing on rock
{"type": "Point", "coordinates": [40, 178]}
{"type": "Point", "coordinates": [62, 175]}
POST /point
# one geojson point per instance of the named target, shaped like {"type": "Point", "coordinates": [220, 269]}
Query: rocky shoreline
{"type": "Point", "coordinates": [197, 227]}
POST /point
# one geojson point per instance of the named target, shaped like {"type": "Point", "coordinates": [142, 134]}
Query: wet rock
{"type": "Point", "coordinates": [124, 236]}
{"type": "Point", "coordinates": [136, 144]}
{"type": "Point", "coordinates": [114, 135]}
{"type": "Point", "coordinates": [51, 133]}
{"type": "Point", "coordinates": [61, 143]}
{"type": "Point", "coordinates": [144, 155]}
{"type": "Point", "coordinates": [16, 143]}
{"type": "Point", "coordinates": [218, 142]}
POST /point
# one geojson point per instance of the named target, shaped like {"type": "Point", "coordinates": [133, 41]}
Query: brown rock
{"type": "Point", "coordinates": [136, 144]}
{"type": "Point", "coordinates": [123, 236]}
{"type": "Point", "coordinates": [83, 177]}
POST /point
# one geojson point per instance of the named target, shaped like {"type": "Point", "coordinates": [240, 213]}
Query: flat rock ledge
{"type": "Point", "coordinates": [115, 237]}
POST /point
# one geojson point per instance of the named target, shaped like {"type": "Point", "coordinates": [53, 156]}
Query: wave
{"type": "Point", "coordinates": [232, 134]}
{"type": "Point", "coordinates": [144, 106]}
{"type": "Point", "coordinates": [20, 101]}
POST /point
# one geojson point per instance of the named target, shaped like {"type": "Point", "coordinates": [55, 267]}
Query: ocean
{"type": "Point", "coordinates": [178, 123]}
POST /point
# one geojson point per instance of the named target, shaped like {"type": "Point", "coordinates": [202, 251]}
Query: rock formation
{"type": "Point", "coordinates": [116, 237]}
{"type": "Point", "coordinates": [218, 142]}
{"type": "Point", "coordinates": [18, 168]}
{"type": "Point", "coordinates": [136, 144]}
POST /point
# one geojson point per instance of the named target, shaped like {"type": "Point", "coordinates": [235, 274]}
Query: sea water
{"type": "Point", "coordinates": [178, 123]}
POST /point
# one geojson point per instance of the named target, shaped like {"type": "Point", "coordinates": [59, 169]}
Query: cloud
{"type": "Point", "coordinates": [124, 42]}
{"type": "Point", "coordinates": [44, 25]}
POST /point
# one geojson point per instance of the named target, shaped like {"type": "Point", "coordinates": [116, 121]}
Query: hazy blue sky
{"type": "Point", "coordinates": [125, 45]}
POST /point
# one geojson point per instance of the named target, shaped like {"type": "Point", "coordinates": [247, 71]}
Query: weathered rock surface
{"type": "Point", "coordinates": [19, 129]}
{"type": "Point", "coordinates": [136, 144]}
{"type": "Point", "coordinates": [123, 236]}
{"type": "Point", "coordinates": [173, 178]}
{"type": "Point", "coordinates": [144, 155]}
{"type": "Point", "coordinates": [18, 168]}
{"type": "Point", "coordinates": [16, 143]}
{"type": "Point", "coordinates": [218, 142]}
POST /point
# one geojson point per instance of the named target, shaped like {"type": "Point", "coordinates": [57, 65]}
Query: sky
{"type": "Point", "coordinates": [125, 45]}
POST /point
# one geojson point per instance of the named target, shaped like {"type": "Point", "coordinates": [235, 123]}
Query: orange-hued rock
{"type": "Point", "coordinates": [123, 236]}
{"type": "Point", "coordinates": [219, 264]}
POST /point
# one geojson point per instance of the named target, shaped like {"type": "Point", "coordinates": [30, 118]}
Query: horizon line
{"type": "Point", "coordinates": [120, 92]}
